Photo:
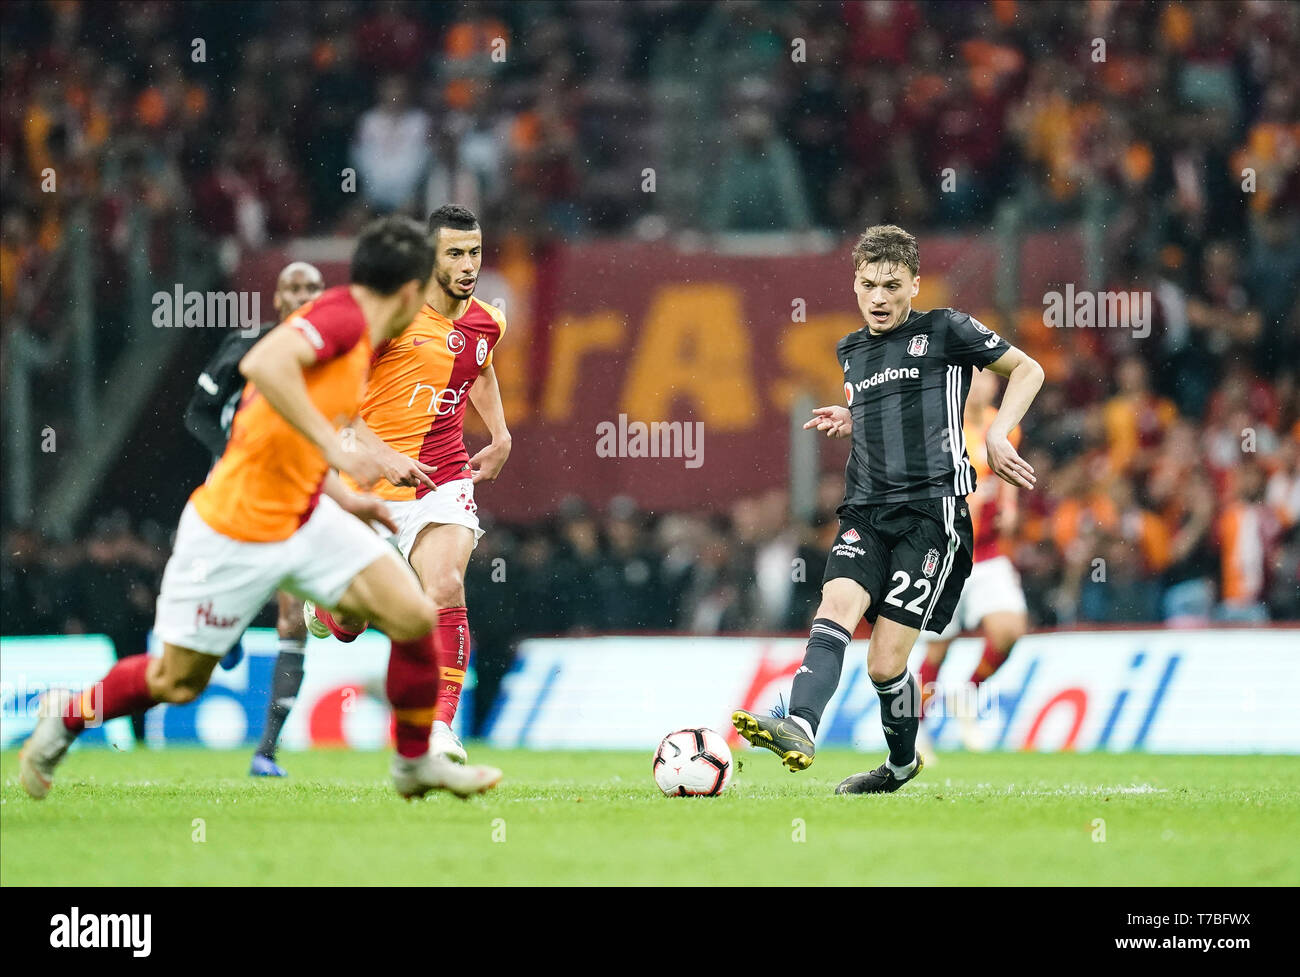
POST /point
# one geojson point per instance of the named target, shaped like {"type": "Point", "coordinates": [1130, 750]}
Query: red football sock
{"type": "Point", "coordinates": [336, 629]}
{"type": "Point", "coordinates": [989, 662]}
{"type": "Point", "coordinates": [929, 675]}
{"type": "Point", "coordinates": [412, 688]}
{"type": "Point", "coordinates": [453, 660]}
{"type": "Point", "coordinates": [122, 691]}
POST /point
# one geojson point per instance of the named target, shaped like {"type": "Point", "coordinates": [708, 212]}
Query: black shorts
{"type": "Point", "coordinates": [911, 557]}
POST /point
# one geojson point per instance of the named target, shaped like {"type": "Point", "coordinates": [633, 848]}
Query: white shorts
{"type": "Point", "coordinates": [993, 586]}
{"type": "Point", "coordinates": [452, 504]}
{"type": "Point", "coordinates": [214, 586]}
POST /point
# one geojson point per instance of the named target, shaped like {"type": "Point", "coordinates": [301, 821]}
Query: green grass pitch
{"type": "Point", "coordinates": [191, 817]}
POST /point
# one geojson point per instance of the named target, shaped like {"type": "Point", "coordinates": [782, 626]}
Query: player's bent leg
{"type": "Point", "coordinates": [844, 601]}
{"type": "Point", "coordinates": [937, 650]}
{"type": "Point", "coordinates": [935, 654]}
{"type": "Point", "coordinates": [388, 594]}
{"type": "Point", "coordinates": [439, 557]}
{"type": "Point", "coordinates": [1002, 629]}
{"type": "Point", "coordinates": [343, 565]}
{"type": "Point", "coordinates": [900, 708]}
{"type": "Point", "coordinates": [134, 684]}
{"type": "Point", "coordinates": [321, 623]}
{"type": "Point", "coordinates": [792, 737]}
{"type": "Point", "coordinates": [891, 644]}
{"type": "Point", "coordinates": [998, 604]}
{"type": "Point", "coordinates": [180, 675]}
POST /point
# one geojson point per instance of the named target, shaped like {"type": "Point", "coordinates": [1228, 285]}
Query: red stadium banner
{"type": "Point", "coordinates": [668, 375]}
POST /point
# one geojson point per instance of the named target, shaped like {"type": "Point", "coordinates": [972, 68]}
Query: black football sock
{"type": "Point", "coordinates": [286, 680]}
{"type": "Point", "coordinates": [819, 675]}
{"type": "Point", "coordinates": [900, 710]}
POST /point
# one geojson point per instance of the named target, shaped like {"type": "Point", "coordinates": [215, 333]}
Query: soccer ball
{"type": "Point", "coordinates": [693, 763]}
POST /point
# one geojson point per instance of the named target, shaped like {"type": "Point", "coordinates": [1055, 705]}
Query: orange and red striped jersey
{"type": "Point", "coordinates": [267, 482]}
{"type": "Point", "coordinates": [419, 385]}
{"type": "Point", "coordinates": [985, 500]}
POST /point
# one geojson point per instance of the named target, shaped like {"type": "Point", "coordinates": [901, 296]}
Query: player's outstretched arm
{"type": "Point", "coordinates": [367, 508]}
{"type": "Point", "coordinates": [836, 421]}
{"type": "Point", "coordinates": [1024, 380]}
{"type": "Point", "coordinates": [275, 367]}
{"type": "Point", "coordinates": [398, 468]}
{"type": "Point", "coordinates": [485, 396]}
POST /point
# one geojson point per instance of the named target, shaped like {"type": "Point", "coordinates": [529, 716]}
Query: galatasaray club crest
{"type": "Point", "coordinates": [455, 341]}
{"type": "Point", "coordinates": [848, 393]}
{"type": "Point", "coordinates": [918, 345]}
{"type": "Point", "coordinates": [931, 561]}
{"type": "Point", "coordinates": [852, 536]}
{"type": "Point", "coordinates": [481, 350]}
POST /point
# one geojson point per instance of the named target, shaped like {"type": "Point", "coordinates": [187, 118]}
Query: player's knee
{"type": "Point", "coordinates": [936, 652]}
{"type": "Point", "coordinates": [844, 601]}
{"type": "Point", "coordinates": [178, 690]}
{"type": "Point", "coordinates": [1004, 638]}
{"type": "Point", "coordinates": [841, 610]}
{"type": "Point", "coordinates": [881, 673]}
{"type": "Point", "coordinates": [446, 589]}
{"type": "Point", "coordinates": [1005, 633]}
{"type": "Point", "coordinates": [414, 622]}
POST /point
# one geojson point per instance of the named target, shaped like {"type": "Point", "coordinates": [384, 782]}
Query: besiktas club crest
{"type": "Point", "coordinates": [931, 563]}
{"type": "Point", "coordinates": [918, 345]}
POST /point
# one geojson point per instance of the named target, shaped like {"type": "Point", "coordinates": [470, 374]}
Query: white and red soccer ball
{"type": "Point", "coordinates": [693, 763]}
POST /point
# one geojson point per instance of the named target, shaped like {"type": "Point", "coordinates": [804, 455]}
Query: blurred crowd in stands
{"type": "Point", "coordinates": [1174, 461]}
{"type": "Point", "coordinates": [249, 117]}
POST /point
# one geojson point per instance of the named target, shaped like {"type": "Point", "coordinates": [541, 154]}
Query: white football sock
{"type": "Point", "coordinates": [900, 773]}
{"type": "Point", "coordinates": [804, 725]}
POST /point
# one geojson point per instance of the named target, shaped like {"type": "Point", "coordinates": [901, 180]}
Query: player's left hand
{"type": "Point", "coordinates": [835, 421]}
{"type": "Point", "coordinates": [369, 509]}
{"type": "Point", "coordinates": [1006, 463]}
{"type": "Point", "coordinates": [487, 464]}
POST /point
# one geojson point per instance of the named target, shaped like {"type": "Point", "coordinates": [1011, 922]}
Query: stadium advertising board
{"type": "Point", "coordinates": [1156, 691]}
{"type": "Point", "coordinates": [341, 702]}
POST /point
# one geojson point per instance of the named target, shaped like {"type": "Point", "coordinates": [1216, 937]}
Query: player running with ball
{"type": "Point", "coordinates": [273, 516]}
{"type": "Point", "coordinates": [904, 544]}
